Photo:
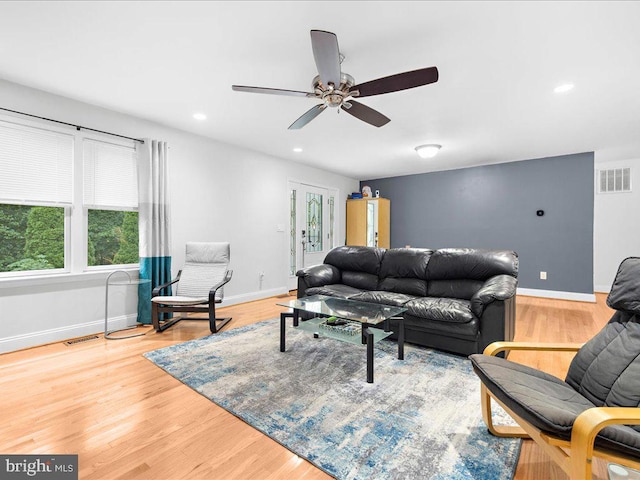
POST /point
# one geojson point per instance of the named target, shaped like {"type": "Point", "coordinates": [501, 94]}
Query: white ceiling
{"type": "Point", "coordinates": [498, 61]}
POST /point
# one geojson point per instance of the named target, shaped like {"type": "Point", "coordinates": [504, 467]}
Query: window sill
{"type": "Point", "coordinates": [93, 276]}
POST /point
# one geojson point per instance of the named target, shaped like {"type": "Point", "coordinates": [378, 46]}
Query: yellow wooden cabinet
{"type": "Point", "coordinates": [368, 222]}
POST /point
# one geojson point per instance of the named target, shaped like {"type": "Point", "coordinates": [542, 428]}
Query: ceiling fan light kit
{"type": "Point", "coordinates": [337, 89]}
{"type": "Point", "coordinates": [428, 151]}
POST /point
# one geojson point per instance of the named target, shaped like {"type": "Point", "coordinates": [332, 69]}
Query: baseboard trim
{"type": "Point", "coordinates": [578, 297]}
{"type": "Point", "coordinates": [36, 339]}
{"type": "Point", "coordinates": [602, 288]}
{"type": "Point", "coordinates": [251, 296]}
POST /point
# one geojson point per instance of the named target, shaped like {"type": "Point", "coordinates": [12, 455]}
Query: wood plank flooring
{"type": "Point", "coordinates": [127, 419]}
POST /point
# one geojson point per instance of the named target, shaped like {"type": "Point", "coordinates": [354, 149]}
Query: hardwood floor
{"type": "Point", "coordinates": [127, 419]}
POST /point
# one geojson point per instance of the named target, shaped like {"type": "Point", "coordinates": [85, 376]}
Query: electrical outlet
{"type": "Point", "coordinates": [543, 275]}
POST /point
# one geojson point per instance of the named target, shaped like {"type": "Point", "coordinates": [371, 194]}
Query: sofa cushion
{"type": "Point", "coordinates": [384, 298]}
{"type": "Point", "coordinates": [449, 310]}
{"type": "Point", "coordinates": [405, 263]}
{"type": "Point", "coordinates": [466, 331]}
{"type": "Point", "coordinates": [364, 281]}
{"type": "Point", "coordinates": [336, 290]}
{"type": "Point", "coordinates": [457, 288]}
{"type": "Point", "coordinates": [409, 286]}
{"type": "Point", "coordinates": [546, 402]}
{"type": "Point", "coordinates": [470, 263]}
{"type": "Point", "coordinates": [404, 270]}
{"type": "Point", "coordinates": [356, 259]}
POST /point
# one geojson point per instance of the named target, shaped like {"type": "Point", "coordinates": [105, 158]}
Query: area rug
{"type": "Point", "coordinates": [421, 418]}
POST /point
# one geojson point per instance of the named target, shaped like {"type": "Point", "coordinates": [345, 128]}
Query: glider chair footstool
{"type": "Point", "coordinates": [594, 411]}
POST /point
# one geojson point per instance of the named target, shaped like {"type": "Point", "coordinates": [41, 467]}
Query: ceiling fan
{"type": "Point", "coordinates": [337, 89]}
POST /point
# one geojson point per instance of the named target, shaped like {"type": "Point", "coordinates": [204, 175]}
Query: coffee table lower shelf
{"type": "Point", "coordinates": [313, 325]}
{"type": "Point", "coordinates": [366, 336]}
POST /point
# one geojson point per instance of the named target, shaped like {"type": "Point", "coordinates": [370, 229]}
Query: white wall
{"type": "Point", "coordinates": [616, 226]}
{"type": "Point", "coordinates": [219, 192]}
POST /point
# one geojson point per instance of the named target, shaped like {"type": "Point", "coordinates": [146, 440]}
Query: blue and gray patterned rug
{"type": "Point", "coordinates": [421, 418]}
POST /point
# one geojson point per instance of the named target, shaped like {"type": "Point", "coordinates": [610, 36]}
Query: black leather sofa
{"type": "Point", "coordinates": [457, 299]}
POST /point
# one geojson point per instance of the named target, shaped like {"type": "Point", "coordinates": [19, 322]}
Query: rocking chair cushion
{"type": "Point", "coordinates": [180, 300]}
{"type": "Point", "coordinates": [625, 291]}
{"type": "Point", "coordinates": [606, 370]}
{"type": "Point", "coordinates": [546, 402]}
{"type": "Point", "coordinates": [541, 399]}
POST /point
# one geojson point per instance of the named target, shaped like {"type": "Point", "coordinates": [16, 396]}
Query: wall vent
{"type": "Point", "coordinates": [615, 180]}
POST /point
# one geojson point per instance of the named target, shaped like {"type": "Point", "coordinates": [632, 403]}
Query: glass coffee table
{"type": "Point", "coordinates": [345, 320]}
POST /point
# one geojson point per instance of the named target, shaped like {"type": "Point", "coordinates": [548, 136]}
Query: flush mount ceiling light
{"type": "Point", "coordinates": [428, 151]}
{"type": "Point", "coordinates": [297, 149]}
{"type": "Point", "coordinates": [199, 116]}
{"type": "Point", "coordinates": [563, 88]}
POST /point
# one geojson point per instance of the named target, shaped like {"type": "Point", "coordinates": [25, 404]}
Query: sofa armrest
{"type": "Point", "coordinates": [500, 287]}
{"type": "Point", "coordinates": [317, 276]}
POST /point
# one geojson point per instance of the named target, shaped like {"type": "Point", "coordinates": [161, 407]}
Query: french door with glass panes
{"type": "Point", "coordinates": [312, 223]}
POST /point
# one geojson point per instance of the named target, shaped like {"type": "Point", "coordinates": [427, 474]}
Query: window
{"type": "Point", "coordinates": [314, 222]}
{"type": "Point", "coordinates": [110, 194]}
{"type": "Point", "coordinates": [35, 197]}
{"type": "Point", "coordinates": [53, 182]}
{"type": "Point", "coordinates": [332, 221]}
{"type": "Point", "coordinates": [31, 238]}
{"type": "Point", "coordinates": [113, 237]}
{"type": "Point", "coordinates": [292, 233]}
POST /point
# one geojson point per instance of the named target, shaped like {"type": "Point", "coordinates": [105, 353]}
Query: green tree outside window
{"type": "Point", "coordinates": [32, 237]}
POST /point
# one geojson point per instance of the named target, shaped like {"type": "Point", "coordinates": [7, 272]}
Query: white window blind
{"type": "Point", "coordinates": [110, 175]}
{"type": "Point", "coordinates": [35, 165]}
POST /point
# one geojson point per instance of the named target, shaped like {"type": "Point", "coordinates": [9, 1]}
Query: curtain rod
{"type": "Point", "coordinates": [77, 127]}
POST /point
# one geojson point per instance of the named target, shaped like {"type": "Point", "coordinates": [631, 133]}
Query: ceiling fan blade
{"type": "Point", "coordinates": [400, 81]}
{"type": "Point", "coordinates": [366, 114]}
{"type": "Point", "coordinates": [272, 91]}
{"type": "Point", "coordinates": [307, 117]}
{"type": "Point", "coordinates": [327, 56]}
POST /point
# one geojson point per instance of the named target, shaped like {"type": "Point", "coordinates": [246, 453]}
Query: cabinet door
{"type": "Point", "coordinates": [357, 222]}
{"type": "Point", "coordinates": [384, 223]}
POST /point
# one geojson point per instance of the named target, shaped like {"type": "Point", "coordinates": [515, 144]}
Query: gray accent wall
{"type": "Point", "coordinates": [495, 206]}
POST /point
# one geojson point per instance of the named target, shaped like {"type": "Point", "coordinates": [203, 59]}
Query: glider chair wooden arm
{"type": "Point", "coordinates": [199, 286]}
{"type": "Point", "coordinates": [594, 411]}
{"type": "Point", "coordinates": [498, 347]}
{"type": "Point", "coordinates": [156, 291]}
{"type": "Point", "coordinates": [585, 429]}
{"type": "Point", "coordinates": [214, 290]}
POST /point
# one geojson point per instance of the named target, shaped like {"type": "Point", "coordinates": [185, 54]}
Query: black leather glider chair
{"type": "Point", "coordinates": [594, 411]}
